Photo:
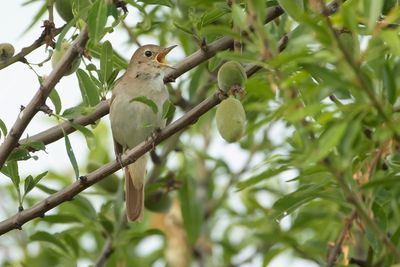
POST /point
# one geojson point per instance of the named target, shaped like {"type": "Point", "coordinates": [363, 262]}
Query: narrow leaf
{"type": "Point", "coordinates": [288, 203]}
{"type": "Point", "coordinates": [97, 20]}
{"type": "Point", "coordinates": [10, 169]}
{"type": "Point", "coordinates": [36, 145]}
{"type": "Point", "coordinates": [168, 109]}
{"type": "Point", "coordinates": [167, 3]}
{"type": "Point", "coordinates": [60, 218]}
{"type": "Point", "coordinates": [146, 101]}
{"type": "Point", "coordinates": [64, 32]}
{"type": "Point", "coordinates": [119, 61]}
{"type": "Point", "coordinates": [47, 237]}
{"type": "Point", "coordinates": [3, 127]}
{"type": "Point", "coordinates": [56, 100]}
{"type": "Point", "coordinates": [294, 8]}
{"type": "Point", "coordinates": [106, 62]}
{"type": "Point", "coordinates": [88, 88]}
{"type": "Point", "coordinates": [28, 184]}
{"type": "Point", "coordinates": [190, 207]}
{"type": "Point", "coordinates": [375, 8]}
{"type": "Point", "coordinates": [71, 156]}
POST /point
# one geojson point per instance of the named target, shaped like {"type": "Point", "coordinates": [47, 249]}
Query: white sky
{"type": "Point", "coordinates": [19, 84]}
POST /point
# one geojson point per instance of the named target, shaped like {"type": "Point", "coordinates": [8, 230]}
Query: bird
{"type": "Point", "coordinates": [132, 121]}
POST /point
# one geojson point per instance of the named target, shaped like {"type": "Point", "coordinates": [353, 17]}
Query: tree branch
{"type": "Point", "coordinates": [26, 115]}
{"type": "Point", "coordinates": [27, 50]}
{"type": "Point", "coordinates": [337, 249]}
{"type": "Point", "coordinates": [106, 252]}
{"type": "Point", "coordinates": [38, 210]}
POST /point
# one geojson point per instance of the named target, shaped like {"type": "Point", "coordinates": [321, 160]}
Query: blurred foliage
{"type": "Point", "coordinates": [322, 141]}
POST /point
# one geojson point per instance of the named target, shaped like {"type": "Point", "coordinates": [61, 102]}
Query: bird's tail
{"type": "Point", "coordinates": [134, 186]}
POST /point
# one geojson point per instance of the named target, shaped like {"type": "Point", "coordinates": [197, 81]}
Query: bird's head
{"type": "Point", "coordinates": [150, 56]}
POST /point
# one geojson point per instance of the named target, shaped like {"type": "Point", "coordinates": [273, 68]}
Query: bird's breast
{"type": "Point", "coordinates": [132, 121]}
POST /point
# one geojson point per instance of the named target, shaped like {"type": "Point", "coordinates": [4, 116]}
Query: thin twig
{"type": "Point", "coordinates": [337, 248]}
{"type": "Point", "coordinates": [50, 10]}
{"type": "Point", "coordinates": [27, 50]}
{"type": "Point", "coordinates": [108, 249]}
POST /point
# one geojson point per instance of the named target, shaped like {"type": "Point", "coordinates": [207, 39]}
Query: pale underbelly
{"type": "Point", "coordinates": [133, 122]}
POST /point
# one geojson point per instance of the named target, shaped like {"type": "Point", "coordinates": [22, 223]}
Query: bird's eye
{"type": "Point", "coordinates": [148, 53]}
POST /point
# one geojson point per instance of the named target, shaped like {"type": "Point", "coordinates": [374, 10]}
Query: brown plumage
{"type": "Point", "coordinates": [134, 121]}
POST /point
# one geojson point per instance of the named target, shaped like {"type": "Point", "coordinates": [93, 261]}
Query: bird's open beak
{"type": "Point", "coordinates": [161, 56]}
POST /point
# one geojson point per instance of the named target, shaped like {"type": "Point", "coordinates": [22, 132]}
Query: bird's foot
{"type": "Point", "coordinates": [153, 137]}
{"type": "Point", "coordinates": [119, 159]}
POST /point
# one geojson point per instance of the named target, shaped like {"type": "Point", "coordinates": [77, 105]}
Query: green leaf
{"type": "Point", "coordinates": [28, 185]}
{"type": "Point", "coordinates": [212, 15]}
{"type": "Point", "coordinates": [191, 210]}
{"type": "Point", "coordinates": [89, 90]}
{"type": "Point", "coordinates": [187, 30]}
{"type": "Point", "coordinates": [270, 173]}
{"type": "Point", "coordinates": [380, 215]}
{"type": "Point", "coordinates": [56, 100]}
{"type": "Point", "coordinates": [106, 62]}
{"type": "Point", "coordinates": [375, 9]}
{"type": "Point", "coordinates": [392, 40]}
{"type": "Point", "coordinates": [294, 8]}
{"type": "Point", "coordinates": [389, 83]}
{"type": "Point", "coordinates": [97, 20]}
{"type": "Point", "coordinates": [143, 234]}
{"type": "Point", "coordinates": [219, 30]}
{"type": "Point", "coordinates": [147, 101]}
{"type": "Point", "coordinates": [119, 61]}
{"type": "Point", "coordinates": [80, 8]}
{"type": "Point", "coordinates": [85, 207]}
{"type": "Point", "coordinates": [3, 127]}
{"type": "Point", "coordinates": [19, 154]}
{"type": "Point", "coordinates": [47, 237]}
{"type": "Point", "coordinates": [60, 218]}
{"type": "Point", "coordinates": [89, 136]}
{"type": "Point", "coordinates": [71, 156]}
{"type": "Point", "coordinates": [328, 141]}
{"type": "Point", "coordinates": [72, 243]}
{"type": "Point", "coordinates": [31, 182]}
{"type": "Point", "coordinates": [168, 110]}
{"type": "Point", "coordinates": [46, 189]}
{"type": "Point", "coordinates": [35, 145]}
{"type": "Point", "coordinates": [64, 32]}
{"type": "Point", "coordinates": [167, 3]}
{"type": "Point", "coordinates": [290, 202]}
{"type": "Point", "coordinates": [10, 169]}
{"type": "Point", "coordinates": [113, 76]}
{"type": "Point", "coordinates": [373, 240]}
{"type": "Point", "coordinates": [239, 16]}
{"type": "Point", "coordinates": [72, 113]}
{"type": "Point", "coordinates": [396, 236]}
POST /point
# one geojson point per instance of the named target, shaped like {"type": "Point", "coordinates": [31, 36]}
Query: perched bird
{"type": "Point", "coordinates": [133, 121]}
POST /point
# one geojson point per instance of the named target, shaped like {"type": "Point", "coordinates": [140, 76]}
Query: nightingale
{"type": "Point", "coordinates": [133, 121]}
